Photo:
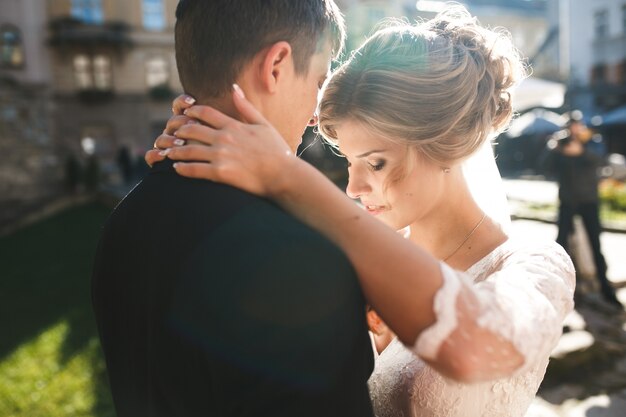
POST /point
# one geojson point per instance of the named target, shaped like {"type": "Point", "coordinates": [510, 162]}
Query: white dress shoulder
{"type": "Point", "coordinates": [524, 291]}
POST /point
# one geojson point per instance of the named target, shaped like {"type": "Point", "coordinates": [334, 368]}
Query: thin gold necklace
{"type": "Point", "coordinates": [482, 219]}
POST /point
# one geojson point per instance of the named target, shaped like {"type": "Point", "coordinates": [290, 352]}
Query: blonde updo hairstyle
{"type": "Point", "coordinates": [441, 86]}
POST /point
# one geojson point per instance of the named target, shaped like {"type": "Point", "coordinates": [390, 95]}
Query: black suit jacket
{"type": "Point", "coordinates": [213, 302]}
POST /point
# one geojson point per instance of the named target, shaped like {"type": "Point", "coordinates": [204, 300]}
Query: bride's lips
{"type": "Point", "coordinates": [374, 209]}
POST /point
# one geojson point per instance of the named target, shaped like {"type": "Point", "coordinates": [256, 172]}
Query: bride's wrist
{"type": "Point", "coordinates": [286, 182]}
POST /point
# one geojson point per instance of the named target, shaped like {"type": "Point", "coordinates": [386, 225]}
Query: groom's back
{"type": "Point", "coordinates": [210, 301]}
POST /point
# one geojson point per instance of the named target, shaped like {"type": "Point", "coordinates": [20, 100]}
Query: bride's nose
{"type": "Point", "coordinates": [357, 188]}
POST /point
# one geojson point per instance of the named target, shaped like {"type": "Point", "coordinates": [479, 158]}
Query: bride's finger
{"type": "Point", "coordinates": [190, 153]}
{"type": "Point", "coordinates": [210, 116]}
{"type": "Point", "coordinates": [175, 122]}
{"type": "Point", "coordinates": [197, 170]}
{"type": "Point", "coordinates": [153, 156]}
{"type": "Point", "coordinates": [197, 132]}
{"type": "Point", "coordinates": [182, 102]}
{"type": "Point", "coordinates": [168, 141]}
{"type": "Point", "coordinates": [247, 109]}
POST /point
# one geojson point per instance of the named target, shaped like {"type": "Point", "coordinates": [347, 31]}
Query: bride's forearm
{"type": "Point", "coordinates": [398, 278]}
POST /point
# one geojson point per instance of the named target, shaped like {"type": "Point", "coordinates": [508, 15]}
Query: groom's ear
{"type": "Point", "coordinates": [276, 65]}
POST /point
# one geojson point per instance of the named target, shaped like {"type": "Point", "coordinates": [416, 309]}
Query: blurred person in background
{"type": "Point", "coordinates": [576, 168]}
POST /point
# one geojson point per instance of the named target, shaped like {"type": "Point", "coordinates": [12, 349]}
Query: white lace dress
{"type": "Point", "coordinates": [525, 290]}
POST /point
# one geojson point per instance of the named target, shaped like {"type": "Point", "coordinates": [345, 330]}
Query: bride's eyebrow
{"type": "Point", "coordinates": [363, 155]}
{"type": "Point", "coordinates": [366, 154]}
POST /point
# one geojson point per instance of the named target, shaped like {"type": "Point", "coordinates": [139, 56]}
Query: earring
{"type": "Point", "coordinates": [446, 170]}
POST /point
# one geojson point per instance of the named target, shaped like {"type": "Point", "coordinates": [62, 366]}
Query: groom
{"type": "Point", "coordinates": [210, 301]}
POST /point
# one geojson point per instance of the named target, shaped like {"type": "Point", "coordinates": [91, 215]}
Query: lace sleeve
{"type": "Point", "coordinates": [521, 305]}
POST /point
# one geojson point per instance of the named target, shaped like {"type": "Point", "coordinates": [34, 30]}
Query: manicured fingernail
{"type": "Point", "coordinates": [186, 111]}
{"type": "Point", "coordinates": [239, 91]}
{"type": "Point", "coordinates": [165, 152]}
{"type": "Point", "coordinates": [190, 100]}
{"type": "Point", "coordinates": [179, 142]}
{"type": "Point", "coordinates": [175, 165]}
{"type": "Point", "coordinates": [192, 122]}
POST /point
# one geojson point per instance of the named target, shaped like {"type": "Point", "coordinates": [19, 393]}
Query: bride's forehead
{"type": "Point", "coordinates": [355, 145]}
{"type": "Point", "coordinates": [353, 138]}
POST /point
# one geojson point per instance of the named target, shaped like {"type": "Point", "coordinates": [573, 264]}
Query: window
{"type": "Point", "coordinates": [93, 73]}
{"type": "Point", "coordinates": [88, 11]}
{"type": "Point", "coordinates": [601, 23]}
{"type": "Point", "coordinates": [11, 49]}
{"type": "Point", "coordinates": [102, 72]}
{"type": "Point", "coordinates": [157, 73]}
{"type": "Point", "coordinates": [82, 72]}
{"type": "Point", "coordinates": [153, 15]}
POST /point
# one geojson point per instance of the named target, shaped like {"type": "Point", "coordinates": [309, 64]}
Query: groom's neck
{"type": "Point", "coordinates": [223, 104]}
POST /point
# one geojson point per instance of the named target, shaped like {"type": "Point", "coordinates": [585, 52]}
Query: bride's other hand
{"type": "Point", "coordinates": [167, 138]}
{"type": "Point", "coordinates": [251, 156]}
{"type": "Point", "coordinates": [382, 334]}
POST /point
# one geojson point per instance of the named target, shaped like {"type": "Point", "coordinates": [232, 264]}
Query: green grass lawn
{"type": "Point", "coordinates": [50, 359]}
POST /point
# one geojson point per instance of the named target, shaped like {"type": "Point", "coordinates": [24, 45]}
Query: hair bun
{"type": "Point", "coordinates": [442, 85]}
{"type": "Point", "coordinates": [497, 63]}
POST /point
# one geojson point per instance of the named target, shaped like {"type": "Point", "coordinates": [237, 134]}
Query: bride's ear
{"type": "Point", "coordinates": [276, 65]}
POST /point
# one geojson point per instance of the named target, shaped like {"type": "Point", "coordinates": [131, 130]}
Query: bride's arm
{"type": "Point", "coordinates": [402, 282]}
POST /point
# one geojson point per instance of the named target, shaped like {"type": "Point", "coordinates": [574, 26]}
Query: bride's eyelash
{"type": "Point", "coordinates": [377, 166]}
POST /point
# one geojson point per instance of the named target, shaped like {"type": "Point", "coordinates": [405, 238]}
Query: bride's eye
{"type": "Point", "coordinates": [377, 166]}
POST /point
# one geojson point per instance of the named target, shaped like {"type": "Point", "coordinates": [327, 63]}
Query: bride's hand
{"type": "Point", "coordinates": [251, 156]}
{"type": "Point", "coordinates": [167, 138]}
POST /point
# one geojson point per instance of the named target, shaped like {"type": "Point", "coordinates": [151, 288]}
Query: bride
{"type": "Point", "coordinates": [475, 312]}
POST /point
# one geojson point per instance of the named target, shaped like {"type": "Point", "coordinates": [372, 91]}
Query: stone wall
{"type": "Point", "coordinates": [30, 167]}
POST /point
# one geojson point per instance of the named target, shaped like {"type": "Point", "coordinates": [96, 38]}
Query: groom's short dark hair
{"type": "Point", "coordinates": [215, 38]}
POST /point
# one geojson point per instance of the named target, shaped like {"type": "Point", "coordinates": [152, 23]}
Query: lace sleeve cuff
{"type": "Point", "coordinates": [444, 306]}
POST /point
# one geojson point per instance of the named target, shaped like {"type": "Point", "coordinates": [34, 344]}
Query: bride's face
{"type": "Point", "coordinates": [393, 182]}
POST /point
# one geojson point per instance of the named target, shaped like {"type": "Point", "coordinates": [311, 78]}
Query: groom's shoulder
{"type": "Point", "coordinates": [260, 222]}
{"type": "Point", "coordinates": [165, 197]}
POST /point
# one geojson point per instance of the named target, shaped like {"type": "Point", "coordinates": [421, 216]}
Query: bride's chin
{"type": "Point", "coordinates": [390, 223]}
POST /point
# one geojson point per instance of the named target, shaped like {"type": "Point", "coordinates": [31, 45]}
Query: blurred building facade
{"type": "Point", "coordinates": [80, 80]}
{"type": "Point", "coordinates": [526, 20]}
{"type": "Point", "coordinates": [592, 51]}
{"type": "Point", "coordinates": [114, 74]}
{"type": "Point", "coordinates": [591, 45]}
{"type": "Point", "coordinates": [29, 166]}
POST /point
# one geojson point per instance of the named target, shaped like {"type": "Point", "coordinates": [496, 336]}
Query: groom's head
{"type": "Point", "coordinates": [279, 51]}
